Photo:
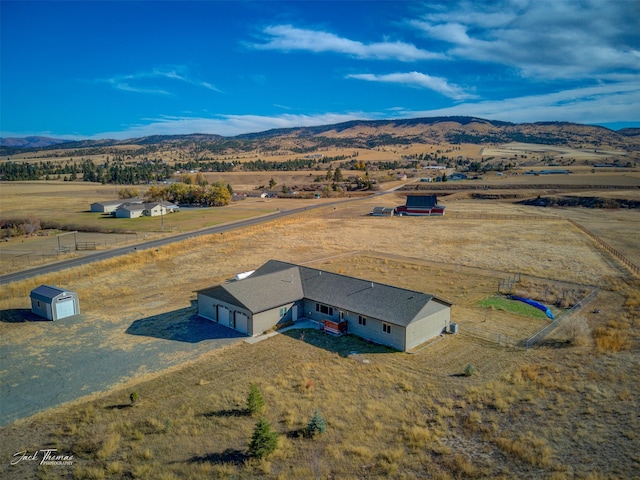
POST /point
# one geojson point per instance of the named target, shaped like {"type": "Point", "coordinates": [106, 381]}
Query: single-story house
{"type": "Point", "coordinates": [54, 303]}
{"type": "Point", "coordinates": [382, 212]}
{"type": "Point", "coordinates": [280, 292]}
{"type": "Point", "coordinates": [421, 205]}
{"type": "Point", "coordinates": [130, 211]}
{"type": "Point", "coordinates": [153, 209]}
{"type": "Point", "coordinates": [111, 206]}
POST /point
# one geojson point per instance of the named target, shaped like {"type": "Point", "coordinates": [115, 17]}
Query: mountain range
{"type": "Point", "coordinates": [371, 133]}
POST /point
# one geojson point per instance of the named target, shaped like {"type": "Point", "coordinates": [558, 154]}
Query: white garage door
{"type": "Point", "coordinates": [223, 315]}
{"type": "Point", "coordinates": [242, 322]}
{"type": "Point", "coordinates": [65, 309]}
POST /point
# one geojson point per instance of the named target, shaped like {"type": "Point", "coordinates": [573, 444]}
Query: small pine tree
{"type": "Point", "coordinates": [316, 425]}
{"type": "Point", "coordinates": [264, 440]}
{"type": "Point", "coordinates": [469, 370]}
{"type": "Point", "coordinates": [255, 403]}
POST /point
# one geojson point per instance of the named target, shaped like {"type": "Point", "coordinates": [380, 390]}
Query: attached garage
{"type": "Point", "coordinates": [54, 303]}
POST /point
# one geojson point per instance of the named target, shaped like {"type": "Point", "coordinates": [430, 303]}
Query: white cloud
{"type": "Point", "coordinates": [600, 104]}
{"type": "Point", "coordinates": [227, 125]}
{"type": "Point", "coordinates": [417, 79]}
{"type": "Point", "coordinates": [606, 103]}
{"type": "Point", "coordinates": [136, 82]}
{"type": "Point", "coordinates": [288, 38]}
{"type": "Point", "coordinates": [542, 39]}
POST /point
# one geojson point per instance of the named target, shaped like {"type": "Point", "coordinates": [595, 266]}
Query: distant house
{"type": "Point", "coordinates": [152, 209]}
{"type": "Point", "coordinates": [457, 176]}
{"type": "Point", "coordinates": [421, 205]}
{"type": "Point", "coordinates": [382, 212]}
{"type": "Point", "coordinates": [129, 211]}
{"type": "Point", "coordinates": [111, 206]}
{"type": "Point", "coordinates": [280, 292]}
{"type": "Point", "coordinates": [54, 303]}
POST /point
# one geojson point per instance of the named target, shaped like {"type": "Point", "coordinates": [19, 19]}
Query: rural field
{"type": "Point", "coordinates": [566, 408]}
{"type": "Point", "coordinates": [476, 404]}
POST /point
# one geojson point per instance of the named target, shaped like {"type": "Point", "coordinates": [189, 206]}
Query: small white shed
{"type": "Point", "coordinates": [54, 303]}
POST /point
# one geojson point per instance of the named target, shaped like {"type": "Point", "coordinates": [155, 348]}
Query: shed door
{"type": "Point", "coordinates": [242, 322]}
{"type": "Point", "coordinates": [65, 309]}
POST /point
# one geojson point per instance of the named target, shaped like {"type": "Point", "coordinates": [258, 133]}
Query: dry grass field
{"type": "Point", "coordinates": [564, 409]}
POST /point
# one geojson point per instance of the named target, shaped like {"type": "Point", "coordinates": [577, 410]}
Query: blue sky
{"type": "Point", "coordinates": [120, 69]}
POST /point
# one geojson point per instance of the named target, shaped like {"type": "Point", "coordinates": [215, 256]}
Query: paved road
{"type": "Point", "coordinates": [95, 257]}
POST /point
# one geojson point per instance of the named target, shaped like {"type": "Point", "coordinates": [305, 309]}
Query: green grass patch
{"type": "Point", "coordinates": [512, 306]}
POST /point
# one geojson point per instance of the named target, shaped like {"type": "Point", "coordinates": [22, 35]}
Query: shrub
{"type": "Point", "coordinates": [576, 329]}
{"type": "Point", "coordinates": [469, 370]}
{"type": "Point", "coordinates": [316, 425]}
{"type": "Point", "coordinates": [255, 403]}
{"type": "Point", "coordinates": [264, 440]}
{"type": "Point", "coordinates": [134, 397]}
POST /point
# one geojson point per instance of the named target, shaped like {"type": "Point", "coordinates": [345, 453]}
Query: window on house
{"type": "Point", "coordinates": [362, 320]}
{"type": "Point", "coordinates": [324, 309]}
{"type": "Point", "coordinates": [386, 328]}
{"type": "Point", "coordinates": [283, 311]}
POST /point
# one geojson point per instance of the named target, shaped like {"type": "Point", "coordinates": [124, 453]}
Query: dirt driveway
{"type": "Point", "coordinates": [44, 364]}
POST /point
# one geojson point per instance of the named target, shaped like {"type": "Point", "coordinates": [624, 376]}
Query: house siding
{"type": "Point", "coordinates": [268, 319]}
{"type": "Point", "coordinates": [373, 332]}
{"type": "Point", "coordinates": [419, 331]}
{"type": "Point", "coordinates": [41, 308]}
{"type": "Point", "coordinates": [309, 311]}
{"type": "Point", "coordinates": [208, 308]}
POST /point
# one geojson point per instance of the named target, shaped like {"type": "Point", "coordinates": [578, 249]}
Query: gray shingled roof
{"type": "Point", "coordinates": [260, 293]}
{"type": "Point", "coordinates": [46, 292]}
{"type": "Point", "coordinates": [276, 283]}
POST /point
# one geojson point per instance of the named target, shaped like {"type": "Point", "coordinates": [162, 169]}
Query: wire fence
{"type": "Point", "coordinates": [493, 337]}
{"type": "Point", "coordinates": [14, 257]}
{"type": "Point", "coordinates": [540, 335]}
{"type": "Point", "coordinates": [453, 186]}
{"type": "Point", "coordinates": [494, 216]}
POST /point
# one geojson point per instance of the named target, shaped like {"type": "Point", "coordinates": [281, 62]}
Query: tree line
{"type": "Point", "coordinates": [215, 195]}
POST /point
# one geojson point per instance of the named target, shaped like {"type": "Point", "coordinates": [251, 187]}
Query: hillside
{"type": "Point", "coordinates": [30, 142]}
{"type": "Point", "coordinates": [363, 134]}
